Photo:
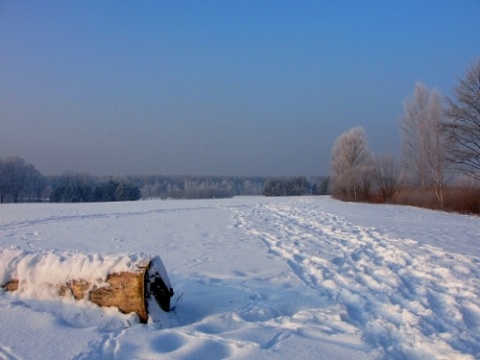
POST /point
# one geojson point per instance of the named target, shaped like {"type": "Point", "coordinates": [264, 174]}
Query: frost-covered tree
{"type": "Point", "coordinates": [424, 144]}
{"type": "Point", "coordinates": [351, 166]}
{"type": "Point", "coordinates": [463, 124]}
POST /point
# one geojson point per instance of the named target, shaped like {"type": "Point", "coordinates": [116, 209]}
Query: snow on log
{"type": "Point", "coordinates": [132, 283]}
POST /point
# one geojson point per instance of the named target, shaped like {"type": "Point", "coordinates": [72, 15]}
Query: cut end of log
{"type": "Point", "coordinates": [157, 287]}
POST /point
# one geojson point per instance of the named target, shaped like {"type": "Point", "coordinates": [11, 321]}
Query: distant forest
{"type": "Point", "coordinates": [22, 182]}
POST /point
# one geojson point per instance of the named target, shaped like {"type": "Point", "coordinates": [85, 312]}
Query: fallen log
{"type": "Point", "coordinates": [141, 284]}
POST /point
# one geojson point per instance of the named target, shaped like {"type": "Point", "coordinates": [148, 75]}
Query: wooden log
{"type": "Point", "coordinates": [128, 291]}
{"type": "Point", "coordinates": [11, 285]}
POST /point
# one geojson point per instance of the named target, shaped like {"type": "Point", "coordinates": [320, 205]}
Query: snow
{"type": "Point", "coordinates": [35, 269]}
{"type": "Point", "coordinates": [254, 278]}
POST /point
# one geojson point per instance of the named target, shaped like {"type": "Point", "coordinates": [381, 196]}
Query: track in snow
{"type": "Point", "coordinates": [7, 354]}
{"type": "Point", "coordinates": [399, 293]}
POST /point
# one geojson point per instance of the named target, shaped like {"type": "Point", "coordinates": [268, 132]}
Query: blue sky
{"type": "Point", "coordinates": [218, 87]}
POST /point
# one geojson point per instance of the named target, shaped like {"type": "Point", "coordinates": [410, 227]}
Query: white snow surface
{"type": "Point", "coordinates": [254, 278]}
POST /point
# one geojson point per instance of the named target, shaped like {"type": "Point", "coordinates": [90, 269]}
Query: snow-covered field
{"type": "Point", "coordinates": [256, 278]}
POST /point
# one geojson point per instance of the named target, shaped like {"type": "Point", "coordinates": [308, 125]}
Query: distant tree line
{"type": "Point", "coordinates": [439, 166]}
{"type": "Point", "coordinates": [295, 186]}
{"type": "Point", "coordinates": [21, 182]}
{"type": "Point", "coordinates": [196, 186]}
{"type": "Point", "coordinates": [78, 187]}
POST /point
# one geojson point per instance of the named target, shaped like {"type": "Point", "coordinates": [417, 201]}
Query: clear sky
{"type": "Point", "coordinates": [218, 87]}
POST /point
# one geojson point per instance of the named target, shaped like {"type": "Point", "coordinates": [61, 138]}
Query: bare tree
{"type": "Point", "coordinates": [437, 146]}
{"type": "Point", "coordinates": [351, 166]}
{"type": "Point", "coordinates": [463, 123]}
{"type": "Point", "coordinates": [388, 176]}
{"type": "Point", "coordinates": [413, 126]}
{"type": "Point", "coordinates": [424, 144]}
